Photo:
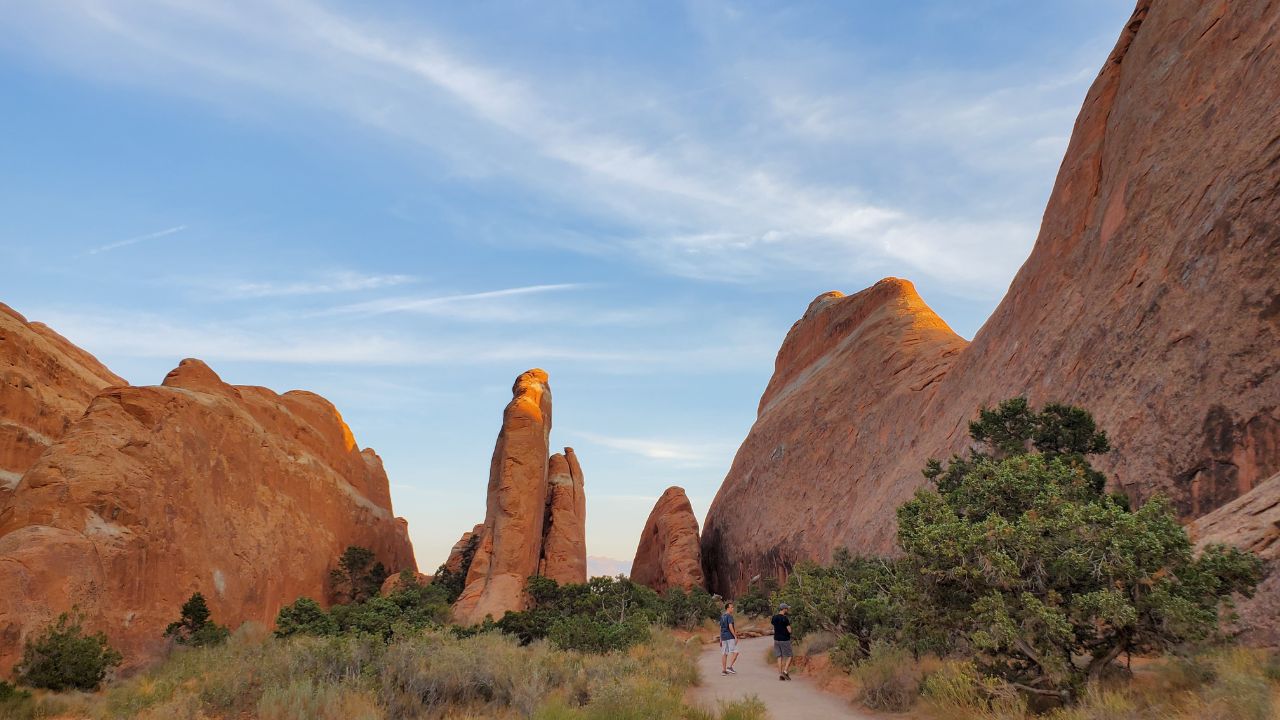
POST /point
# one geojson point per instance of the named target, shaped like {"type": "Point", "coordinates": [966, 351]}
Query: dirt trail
{"type": "Point", "coordinates": [799, 699]}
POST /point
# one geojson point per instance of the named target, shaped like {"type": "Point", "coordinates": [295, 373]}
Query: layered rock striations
{"type": "Point", "coordinates": [45, 384]}
{"type": "Point", "coordinates": [669, 555]}
{"type": "Point", "coordinates": [195, 485]}
{"type": "Point", "coordinates": [1152, 298]}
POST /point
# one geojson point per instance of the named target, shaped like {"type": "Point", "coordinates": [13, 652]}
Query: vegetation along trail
{"type": "Point", "coordinates": [799, 699]}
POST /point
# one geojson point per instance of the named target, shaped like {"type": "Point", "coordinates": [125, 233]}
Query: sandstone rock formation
{"type": "Point", "coordinates": [511, 544]}
{"type": "Point", "coordinates": [1252, 522]}
{"type": "Point", "coordinates": [463, 551]}
{"type": "Point", "coordinates": [564, 547]}
{"type": "Point", "coordinates": [395, 583]}
{"type": "Point", "coordinates": [536, 519]}
{"type": "Point", "coordinates": [669, 554]}
{"type": "Point", "coordinates": [45, 385]}
{"type": "Point", "coordinates": [196, 485]}
{"type": "Point", "coordinates": [1152, 298]}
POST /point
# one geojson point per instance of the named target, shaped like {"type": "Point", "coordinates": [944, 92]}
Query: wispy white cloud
{"type": "Point", "coordinates": [695, 204]}
{"type": "Point", "coordinates": [342, 282]}
{"type": "Point", "coordinates": [135, 240]}
{"type": "Point", "coordinates": [676, 452]}
{"type": "Point", "coordinates": [447, 304]}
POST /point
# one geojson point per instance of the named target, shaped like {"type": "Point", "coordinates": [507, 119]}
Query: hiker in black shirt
{"type": "Point", "coordinates": [782, 641]}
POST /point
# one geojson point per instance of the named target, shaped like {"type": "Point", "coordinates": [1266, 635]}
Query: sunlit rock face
{"type": "Point", "coordinates": [158, 492]}
{"type": "Point", "coordinates": [510, 547]}
{"type": "Point", "coordinates": [669, 555]}
{"type": "Point", "coordinates": [1151, 298]}
{"type": "Point", "coordinates": [45, 385]}
{"type": "Point", "coordinates": [536, 517]}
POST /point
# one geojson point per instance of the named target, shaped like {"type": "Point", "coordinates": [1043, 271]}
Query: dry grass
{"type": "Point", "coordinates": [431, 675]}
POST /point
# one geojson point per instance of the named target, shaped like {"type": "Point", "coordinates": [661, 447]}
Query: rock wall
{"type": "Point", "coordinates": [1152, 298]}
{"type": "Point", "coordinates": [45, 385]}
{"type": "Point", "coordinates": [669, 554]}
{"type": "Point", "coordinates": [196, 485]}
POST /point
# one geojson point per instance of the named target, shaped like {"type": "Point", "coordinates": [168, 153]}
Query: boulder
{"type": "Point", "coordinates": [1251, 522]}
{"type": "Point", "coordinates": [1151, 298]}
{"type": "Point", "coordinates": [564, 548]}
{"type": "Point", "coordinates": [669, 554]}
{"type": "Point", "coordinates": [395, 582]}
{"type": "Point", "coordinates": [510, 549]}
{"type": "Point", "coordinates": [45, 384]}
{"type": "Point", "coordinates": [155, 493]}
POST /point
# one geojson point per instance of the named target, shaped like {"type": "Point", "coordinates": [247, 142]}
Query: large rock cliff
{"type": "Point", "coordinates": [1152, 298]}
{"type": "Point", "coordinates": [45, 385]}
{"type": "Point", "coordinates": [195, 485]}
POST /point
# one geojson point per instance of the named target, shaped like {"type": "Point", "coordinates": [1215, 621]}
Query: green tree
{"type": "Point", "coordinates": [64, 657]}
{"type": "Point", "coordinates": [304, 617]}
{"type": "Point", "coordinates": [1019, 551]}
{"type": "Point", "coordinates": [195, 628]}
{"type": "Point", "coordinates": [359, 575]}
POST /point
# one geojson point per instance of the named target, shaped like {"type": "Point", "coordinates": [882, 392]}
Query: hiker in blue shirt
{"type": "Point", "coordinates": [728, 642]}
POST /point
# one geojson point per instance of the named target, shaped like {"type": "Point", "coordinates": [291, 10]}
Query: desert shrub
{"type": "Point", "coordinates": [819, 642]}
{"type": "Point", "coordinates": [359, 575]}
{"type": "Point", "coordinates": [598, 636]}
{"type": "Point", "coordinates": [1271, 670]}
{"type": "Point", "coordinates": [687, 610]}
{"type": "Point", "coordinates": [305, 699]}
{"type": "Point", "coordinates": [847, 653]}
{"type": "Point", "coordinates": [757, 601]}
{"type": "Point", "coordinates": [15, 703]}
{"type": "Point", "coordinates": [194, 627]}
{"type": "Point", "coordinates": [750, 708]}
{"type": "Point", "coordinates": [1239, 690]}
{"type": "Point", "coordinates": [64, 657]}
{"type": "Point", "coordinates": [957, 690]}
{"type": "Point", "coordinates": [889, 678]}
{"type": "Point", "coordinates": [304, 617]}
{"type": "Point", "coordinates": [1020, 552]}
{"type": "Point", "coordinates": [1181, 673]}
{"type": "Point", "coordinates": [600, 615]}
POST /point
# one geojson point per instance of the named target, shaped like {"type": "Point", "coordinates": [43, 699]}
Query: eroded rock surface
{"type": "Point", "coordinates": [45, 384]}
{"type": "Point", "coordinates": [158, 492]}
{"type": "Point", "coordinates": [1152, 298]}
{"type": "Point", "coordinates": [1252, 522]}
{"type": "Point", "coordinates": [669, 554]}
{"type": "Point", "coordinates": [510, 548]}
{"type": "Point", "coordinates": [564, 549]}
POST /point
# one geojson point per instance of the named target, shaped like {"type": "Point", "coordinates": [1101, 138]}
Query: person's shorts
{"type": "Point", "coordinates": [782, 648]}
{"type": "Point", "coordinates": [728, 647]}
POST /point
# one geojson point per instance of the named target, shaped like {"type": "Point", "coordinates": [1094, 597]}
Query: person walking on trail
{"type": "Point", "coordinates": [728, 642]}
{"type": "Point", "coordinates": [782, 641]}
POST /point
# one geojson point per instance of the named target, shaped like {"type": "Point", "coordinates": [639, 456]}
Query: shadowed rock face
{"type": "Point", "coordinates": [510, 549]}
{"type": "Point", "coordinates": [1251, 522]}
{"type": "Point", "coordinates": [196, 485]}
{"type": "Point", "coordinates": [668, 555]}
{"type": "Point", "coordinates": [45, 385]}
{"type": "Point", "coordinates": [1152, 298]}
{"type": "Point", "coordinates": [564, 549]}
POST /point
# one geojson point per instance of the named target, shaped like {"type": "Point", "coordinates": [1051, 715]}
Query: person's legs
{"type": "Point", "coordinates": [724, 658]}
{"type": "Point", "coordinates": [733, 658]}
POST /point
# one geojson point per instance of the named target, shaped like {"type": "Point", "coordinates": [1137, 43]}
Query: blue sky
{"type": "Point", "coordinates": [403, 205]}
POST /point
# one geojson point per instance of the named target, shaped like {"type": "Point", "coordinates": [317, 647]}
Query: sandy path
{"type": "Point", "coordinates": [799, 699]}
